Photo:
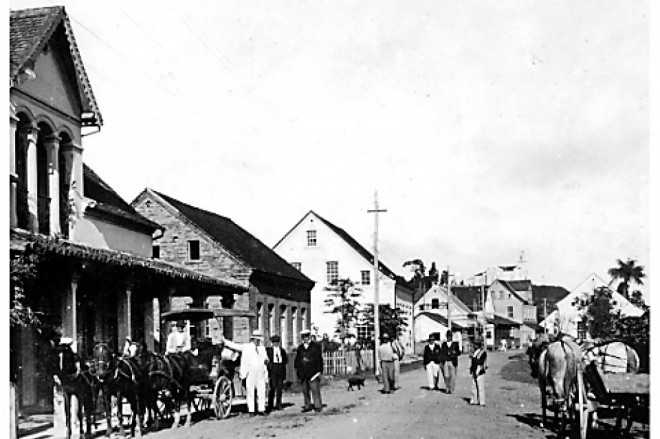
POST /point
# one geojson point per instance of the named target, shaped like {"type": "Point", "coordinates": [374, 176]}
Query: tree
{"type": "Point", "coordinates": [418, 268]}
{"type": "Point", "coordinates": [637, 299]}
{"type": "Point", "coordinates": [600, 317]}
{"type": "Point", "coordinates": [392, 320]}
{"type": "Point", "coordinates": [23, 272]}
{"type": "Point", "coordinates": [341, 300]}
{"type": "Point", "coordinates": [627, 271]}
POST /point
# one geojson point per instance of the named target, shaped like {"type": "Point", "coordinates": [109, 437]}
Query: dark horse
{"type": "Point", "coordinates": [76, 380]}
{"type": "Point", "coordinates": [124, 378]}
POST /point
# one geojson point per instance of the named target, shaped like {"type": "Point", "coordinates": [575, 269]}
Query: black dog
{"type": "Point", "coordinates": [355, 380]}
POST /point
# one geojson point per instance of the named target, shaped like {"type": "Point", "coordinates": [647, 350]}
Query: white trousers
{"type": "Point", "coordinates": [255, 382]}
{"type": "Point", "coordinates": [433, 374]}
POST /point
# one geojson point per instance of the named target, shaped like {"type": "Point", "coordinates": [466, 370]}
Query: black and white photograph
{"type": "Point", "coordinates": [319, 219]}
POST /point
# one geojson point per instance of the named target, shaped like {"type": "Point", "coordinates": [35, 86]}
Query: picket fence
{"type": "Point", "coordinates": [338, 363]}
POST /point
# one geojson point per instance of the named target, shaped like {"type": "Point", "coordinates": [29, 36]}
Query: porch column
{"type": "Point", "coordinates": [73, 179]}
{"type": "Point", "coordinates": [13, 177]}
{"type": "Point", "coordinates": [52, 144]}
{"type": "Point", "coordinates": [29, 132]}
{"type": "Point", "coordinates": [70, 311]}
{"type": "Point", "coordinates": [124, 328]}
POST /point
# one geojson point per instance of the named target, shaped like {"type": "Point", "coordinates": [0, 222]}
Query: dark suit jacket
{"type": "Point", "coordinates": [431, 355]}
{"type": "Point", "coordinates": [271, 356]}
{"type": "Point", "coordinates": [309, 361]}
{"type": "Point", "coordinates": [450, 353]}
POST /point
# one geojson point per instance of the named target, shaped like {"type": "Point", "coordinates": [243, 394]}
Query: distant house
{"type": "Point", "coordinates": [208, 243]}
{"type": "Point", "coordinates": [325, 253]}
{"type": "Point", "coordinates": [431, 315]}
{"type": "Point", "coordinates": [580, 297]}
{"type": "Point", "coordinates": [513, 300]}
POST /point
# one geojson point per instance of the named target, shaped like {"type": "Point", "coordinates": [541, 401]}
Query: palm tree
{"type": "Point", "coordinates": [627, 271]}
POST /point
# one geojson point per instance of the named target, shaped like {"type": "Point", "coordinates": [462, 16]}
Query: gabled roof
{"type": "Point", "coordinates": [471, 296]}
{"type": "Point", "coordinates": [236, 240]}
{"type": "Point", "coordinates": [29, 31]}
{"type": "Point", "coordinates": [513, 289]}
{"type": "Point", "coordinates": [499, 320]}
{"type": "Point", "coordinates": [108, 202]}
{"type": "Point", "coordinates": [439, 318]}
{"type": "Point", "coordinates": [366, 254]}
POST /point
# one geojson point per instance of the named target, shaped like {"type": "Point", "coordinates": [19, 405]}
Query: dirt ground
{"type": "Point", "coordinates": [512, 411]}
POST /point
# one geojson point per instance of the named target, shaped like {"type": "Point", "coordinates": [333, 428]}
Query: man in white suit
{"type": "Point", "coordinates": [253, 370]}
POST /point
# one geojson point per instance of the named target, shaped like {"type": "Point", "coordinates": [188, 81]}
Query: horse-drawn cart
{"type": "Point", "coordinates": [601, 391]}
{"type": "Point", "coordinates": [211, 373]}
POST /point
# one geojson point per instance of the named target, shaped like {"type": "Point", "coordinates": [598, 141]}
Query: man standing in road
{"type": "Point", "coordinates": [254, 361]}
{"type": "Point", "coordinates": [399, 350]}
{"type": "Point", "coordinates": [387, 355]}
{"type": "Point", "coordinates": [449, 353]}
{"type": "Point", "coordinates": [432, 363]}
{"type": "Point", "coordinates": [309, 367]}
{"type": "Point", "coordinates": [478, 373]}
{"type": "Point", "coordinates": [277, 360]}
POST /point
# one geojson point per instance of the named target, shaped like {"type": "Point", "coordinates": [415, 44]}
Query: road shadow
{"type": "Point", "coordinates": [531, 419]}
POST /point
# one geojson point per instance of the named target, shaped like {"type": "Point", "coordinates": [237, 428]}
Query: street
{"type": "Point", "coordinates": [512, 411]}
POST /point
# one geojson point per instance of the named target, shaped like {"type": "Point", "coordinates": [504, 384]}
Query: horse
{"type": "Point", "coordinates": [76, 380]}
{"type": "Point", "coordinates": [179, 366]}
{"type": "Point", "coordinates": [556, 365]}
{"type": "Point", "coordinates": [125, 378]}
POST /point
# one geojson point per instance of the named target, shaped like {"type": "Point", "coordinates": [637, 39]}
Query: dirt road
{"type": "Point", "coordinates": [512, 411]}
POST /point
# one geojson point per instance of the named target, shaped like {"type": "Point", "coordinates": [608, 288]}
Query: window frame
{"type": "Point", "coordinates": [332, 271]}
{"type": "Point", "coordinates": [191, 244]}
{"type": "Point", "coordinates": [366, 273]}
{"type": "Point", "coordinates": [312, 238]}
{"type": "Point", "coordinates": [509, 311]}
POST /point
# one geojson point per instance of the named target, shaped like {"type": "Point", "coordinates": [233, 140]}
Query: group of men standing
{"type": "Point", "coordinates": [441, 358]}
{"type": "Point", "coordinates": [260, 365]}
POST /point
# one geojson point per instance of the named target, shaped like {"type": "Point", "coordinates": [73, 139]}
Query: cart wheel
{"type": "Point", "coordinates": [222, 396]}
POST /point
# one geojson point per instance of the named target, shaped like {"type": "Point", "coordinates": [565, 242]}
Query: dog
{"type": "Point", "coordinates": [355, 380]}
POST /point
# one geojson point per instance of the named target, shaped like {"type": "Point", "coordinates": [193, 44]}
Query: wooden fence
{"type": "Point", "coordinates": [336, 363]}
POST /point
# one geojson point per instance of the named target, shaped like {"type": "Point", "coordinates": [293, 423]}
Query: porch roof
{"type": "Point", "coordinates": [438, 318]}
{"type": "Point", "coordinates": [499, 320]}
{"type": "Point", "coordinates": [40, 244]}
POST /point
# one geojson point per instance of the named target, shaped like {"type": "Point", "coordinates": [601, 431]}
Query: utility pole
{"type": "Point", "coordinates": [448, 300]}
{"type": "Point", "coordinates": [376, 284]}
{"type": "Point", "coordinates": [545, 315]}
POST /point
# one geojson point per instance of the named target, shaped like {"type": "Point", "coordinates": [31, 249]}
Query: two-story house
{"type": "Point", "coordinates": [208, 243]}
{"type": "Point", "coordinates": [432, 316]}
{"type": "Point", "coordinates": [326, 253]}
{"type": "Point", "coordinates": [88, 250]}
{"type": "Point", "coordinates": [513, 300]}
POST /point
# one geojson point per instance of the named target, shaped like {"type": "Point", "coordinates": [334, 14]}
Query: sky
{"type": "Point", "coordinates": [487, 128]}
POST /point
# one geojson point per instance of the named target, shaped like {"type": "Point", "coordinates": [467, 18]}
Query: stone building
{"type": "Point", "coordinates": [216, 246]}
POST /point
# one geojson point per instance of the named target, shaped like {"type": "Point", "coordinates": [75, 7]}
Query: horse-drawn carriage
{"type": "Point", "coordinates": [589, 382]}
{"type": "Point", "coordinates": [211, 375]}
{"type": "Point", "coordinates": [153, 384]}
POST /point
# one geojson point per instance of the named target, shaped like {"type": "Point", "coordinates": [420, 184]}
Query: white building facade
{"type": "Point", "coordinates": [325, 253]}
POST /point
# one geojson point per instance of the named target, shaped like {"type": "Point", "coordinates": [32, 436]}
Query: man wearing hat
{"type": "Point", "coordinates": [178, 341]}
{"type": "Point", "coordinates": [432, 362]}
{"type": "Point", "coordinates": [309, 367]}
{"type": "Point", "coordinates": [478, 373]}
{"type": "Point", "coordinates": [387, 356]}
{"type": "Point", "coordinates": [277, 360]}
{"type": "Point", "coordinates": [254, 361]}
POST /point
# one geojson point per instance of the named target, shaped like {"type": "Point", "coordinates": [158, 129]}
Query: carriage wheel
{"type": "Point", "coordinates": [222, 396]}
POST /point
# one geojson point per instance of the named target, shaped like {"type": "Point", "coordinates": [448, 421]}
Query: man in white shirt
{"type": "Point", "coordinates": [178, 341]}
{"type": "Point", "coordinates": [254, 371]}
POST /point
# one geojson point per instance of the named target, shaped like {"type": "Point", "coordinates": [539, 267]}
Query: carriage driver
{"type": "Point", "coordinates": [178, 341]}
